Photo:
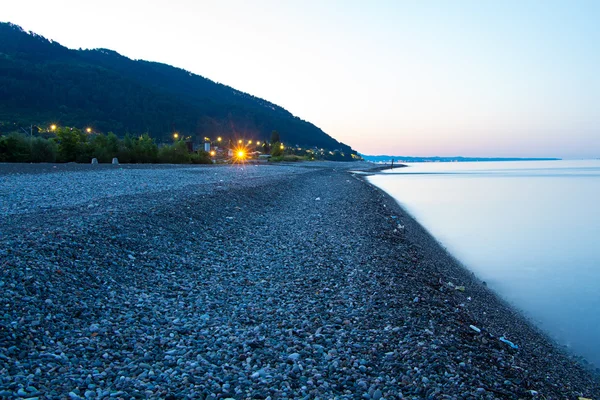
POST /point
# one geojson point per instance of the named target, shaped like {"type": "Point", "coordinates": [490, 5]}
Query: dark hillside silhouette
{"type": "Point", "coordinates": [42, 82]}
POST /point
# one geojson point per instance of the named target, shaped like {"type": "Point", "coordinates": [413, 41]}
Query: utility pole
{"type": "Point", "coordinates": [30, 131]}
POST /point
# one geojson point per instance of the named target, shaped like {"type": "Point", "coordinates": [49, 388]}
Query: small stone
{"type": "Point", "coordinates": [259, 374]}
{"type": "Point", "coordinates": [294, 357]}
{"type": "Point", "coordinates": [377, 394]}
{"type": "Point", "coordinates": [416, 300]}
{"type": "Point", "coordinates": [115, 161]}
{"type": "Point", "coordinates": [425, 380]}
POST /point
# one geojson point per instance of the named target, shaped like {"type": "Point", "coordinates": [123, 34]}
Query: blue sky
{"type": "Point", "coordinates": [472, 78]}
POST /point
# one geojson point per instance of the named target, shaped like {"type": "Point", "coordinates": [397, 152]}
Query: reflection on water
{"type": "Point", "coordinates": [530, 229]}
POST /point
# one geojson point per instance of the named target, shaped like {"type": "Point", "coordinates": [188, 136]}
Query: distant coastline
{"type": "Point", "coordinates": [387, 159]}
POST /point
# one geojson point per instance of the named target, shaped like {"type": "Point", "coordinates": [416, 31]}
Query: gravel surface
{"type": "Point", "coordinates": [287, 281]}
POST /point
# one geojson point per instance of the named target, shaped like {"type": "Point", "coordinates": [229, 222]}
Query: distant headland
{"type": "Point", "coordinates": [386, 158]}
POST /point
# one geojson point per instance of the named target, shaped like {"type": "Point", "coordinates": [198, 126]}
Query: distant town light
{"type": "Point", "coordinates": [240, 141]}
{"type": "Point", "coordinates": [52, 127]}
{"type": "Point", "coordinates": [88, 130]}
{"type": "Point", "coordinates": [281, 146]}
{"type": "Point", "coordinates": [219, 139]}
{"type": "Point", "coordinates": [175, 135]}
{"type": "Point", "coordinates": [212, 153]}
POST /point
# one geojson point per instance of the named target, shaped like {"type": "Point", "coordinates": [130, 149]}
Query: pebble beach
{"type": "Point", "coordinates": [288, 281]}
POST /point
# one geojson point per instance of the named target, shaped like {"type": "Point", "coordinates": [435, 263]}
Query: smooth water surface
{"type": "Point", "coordinates": [530, 229]}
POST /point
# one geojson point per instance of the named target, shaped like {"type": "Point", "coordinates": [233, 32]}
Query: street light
{"type": "Point", "coordinates": [240, 141]}
{"type": "Point", "coordinates": [219, 139]}
{"type": "Point", "coordinates": [175, 135]}
{"type": "Point", "coordinates": [53, 127]}
{"type": "Point", "coordinates": [88, 130]}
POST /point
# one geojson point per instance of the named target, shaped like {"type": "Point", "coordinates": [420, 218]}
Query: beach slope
{"type": "Point", "coordinates": [287, 281]}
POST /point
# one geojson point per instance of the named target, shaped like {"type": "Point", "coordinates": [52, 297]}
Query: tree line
{"type": "Point", "coordinates": [75, 145]}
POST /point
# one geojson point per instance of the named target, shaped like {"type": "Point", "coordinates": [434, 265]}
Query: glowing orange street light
{"type": "Point", "coordinates": [281, 146]}
{"type": "Point", "coordinates": [240, 154]}
{"type": "Point", "coordinates": [52, 127]}
{"type": "Point", "coordinates": [240, 141]}
{"type": "Point", "coordinates": [219, 139]}
{"type": "Point", "coordinates": [175, 135]}
{"type": "Point", "coordinates": [258, 143]}
{"type": "Point", "coordinates": [88, 130]}
{"type": "Point", "coordinates": [249, 141]}
{"type": "Point", "coordinates": [212, 153]}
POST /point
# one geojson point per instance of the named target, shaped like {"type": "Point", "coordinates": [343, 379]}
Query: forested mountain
{"type": "Point", "coordinates": [42, 82]}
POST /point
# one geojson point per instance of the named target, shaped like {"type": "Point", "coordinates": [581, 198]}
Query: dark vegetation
{"type": "Point", "coordinates": [43, 83]}
{"type": "Point", "coordinates": [73, 145]}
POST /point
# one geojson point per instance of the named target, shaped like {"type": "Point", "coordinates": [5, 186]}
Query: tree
{"type": "Point", "coordinates": [70, 141]}
{"type": "Point", "coordinates": [276, 149]}
{"type": "Point", "coordinates": [275, 137]}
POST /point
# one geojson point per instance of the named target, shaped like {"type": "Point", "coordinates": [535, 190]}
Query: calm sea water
{"type": "Point", "coordinates": [531, 230]}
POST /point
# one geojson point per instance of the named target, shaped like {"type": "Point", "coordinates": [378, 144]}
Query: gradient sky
{"type": "Point", "coordinates": [471, 78]}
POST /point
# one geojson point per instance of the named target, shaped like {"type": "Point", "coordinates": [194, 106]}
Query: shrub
{"type": "Point", "coordinates": [14, 148]}
{"type": "Point", "coordinates": [177, 153]}
{"type": "Point", "coordinates": [144, 150]}
{"type": "Point", "coordinates": [276, 149]}
{"type": "Point", "coordinates": [133, 150]}
{"type": "Point", "coordinates": [201, 157]}
{"type": "Point", "coordinates": [43, 150]}
{"type": "Point", "coordinates": [20, 148]}
{"type": "Point", "coordinates": [292, 158]}
{"type": "Point", "coordinates": [103, 149]}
